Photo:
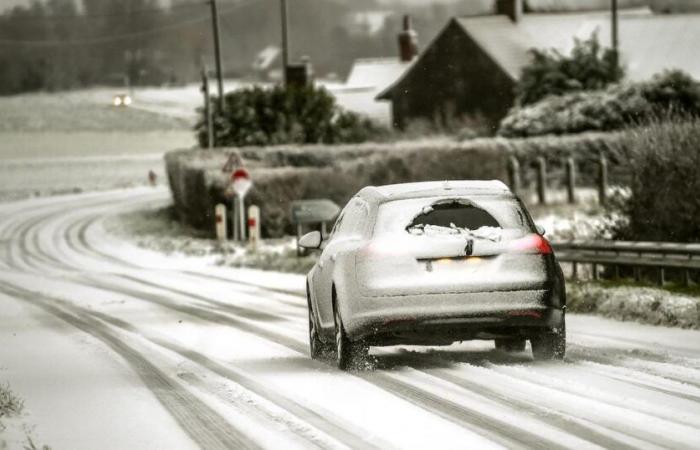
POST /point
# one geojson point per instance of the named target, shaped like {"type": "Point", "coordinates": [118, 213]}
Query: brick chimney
{"type": "Point", "coordinates": [510, 8]}
{"type": "Point", "coordinates": [408, 41]}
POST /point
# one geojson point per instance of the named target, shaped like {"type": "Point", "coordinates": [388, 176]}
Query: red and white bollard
{"type": "Point", "coordinates": [254, 226]}
{"type": "Point", "coordinates": [220, 220]}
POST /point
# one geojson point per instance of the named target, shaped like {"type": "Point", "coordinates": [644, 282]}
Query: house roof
{"type": "Point", "coordinates": [649, 43]}
{"type": "Point", "coordinates": [508, 45]}
{"type": "Point", "coordinates": [375, 72]}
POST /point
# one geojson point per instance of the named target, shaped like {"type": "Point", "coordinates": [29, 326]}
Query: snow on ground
{"type": "Point", "coordinates": [186, 353]}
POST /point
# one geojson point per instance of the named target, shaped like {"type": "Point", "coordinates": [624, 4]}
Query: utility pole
{"type": "Point", "coordinates": [614, 32]}
{"type": "Point", "coordinates": [217, 53]}
{"type": "Point", "coordinates": [207, 108]}
{"type": "Point", "coordinates": [285, 40]}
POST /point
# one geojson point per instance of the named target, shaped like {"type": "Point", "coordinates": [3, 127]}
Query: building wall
{"type": "Point", "coordinates": [454, 81]}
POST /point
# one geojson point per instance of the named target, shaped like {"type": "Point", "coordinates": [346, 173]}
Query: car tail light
{"type": "Point", "coordinates": [532, 243]}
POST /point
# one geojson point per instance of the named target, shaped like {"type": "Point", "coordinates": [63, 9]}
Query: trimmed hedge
{"type": "Point", "coordinates": [287, 173]}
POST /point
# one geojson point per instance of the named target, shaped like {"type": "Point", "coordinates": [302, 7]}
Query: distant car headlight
{"type": "Point", "coordinates": [126, 101]}
{"type": "Point", "coordinates": [117, 101]}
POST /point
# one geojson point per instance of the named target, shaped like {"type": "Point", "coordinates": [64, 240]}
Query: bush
{"type": "Point", "coordinates": [589, 67]}
{"type": "Point", "coordinates": [663, 205]}
{"type": "Point", "coordinates": [259, 116]}
{"type": "Point", "coordinates": [614, 108]}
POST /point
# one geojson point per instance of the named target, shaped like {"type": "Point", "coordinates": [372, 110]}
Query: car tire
{"type": "Point", "coordinates": [550, 345]}
{"type": "Point", "coordinates": [510, 345]}
{"type": "Point", "coordinates": [349, 355]}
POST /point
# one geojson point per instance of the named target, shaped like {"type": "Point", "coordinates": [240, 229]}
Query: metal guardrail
{"type": "Point", "coordinates": [616, 254]}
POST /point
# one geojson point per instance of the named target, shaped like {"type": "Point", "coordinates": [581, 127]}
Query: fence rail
{"type": "Point", "coordinates": [637, 255]}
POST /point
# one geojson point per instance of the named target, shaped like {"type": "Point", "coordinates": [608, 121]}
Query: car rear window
{"type": "Point", "coordinates": [459, 213]}
{"type": "Point", "coordinates": [454, 214]}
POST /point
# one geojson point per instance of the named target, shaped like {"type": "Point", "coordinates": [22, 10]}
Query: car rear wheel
{"type": "Point", "coordinates": [550, 345]}
{"type": "Point", "coordinates": [349, 355]}
{"type": "Point", "coordinates": [510, 345]}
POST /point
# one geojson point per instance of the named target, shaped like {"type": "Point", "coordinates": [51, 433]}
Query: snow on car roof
{"type": "Point", "coordinates": [437, 188]}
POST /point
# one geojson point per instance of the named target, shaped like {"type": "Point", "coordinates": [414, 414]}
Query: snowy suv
{"type": "Point", "coordinates": [430, 264]}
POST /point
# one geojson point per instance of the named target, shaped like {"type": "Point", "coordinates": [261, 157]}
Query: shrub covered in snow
{"type": "Point", "coordinates": [611, 109]}
{"type": "Point", "coordinates": [588, 67]}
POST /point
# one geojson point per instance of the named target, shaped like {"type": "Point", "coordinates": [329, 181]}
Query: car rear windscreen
{"type": "Point", "coordinates": [465, 213]}
{"type": "Point", "coordinates": [455, 214]}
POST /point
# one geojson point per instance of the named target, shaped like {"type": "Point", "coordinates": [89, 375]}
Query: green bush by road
{"type": "Point", "coordinates": [663, 204]}
{"type": "Point", "coordinates": [614, 108]}
{"type": "Point", "coordinates": [258, 116]}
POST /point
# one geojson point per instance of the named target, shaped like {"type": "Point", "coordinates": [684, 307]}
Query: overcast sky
{"type": "Point", "coordinates": [7, 4]}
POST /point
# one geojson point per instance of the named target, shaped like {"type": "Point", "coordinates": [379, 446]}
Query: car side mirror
{"type": "Point", "coordinates": [311, 241]}
{"type": "Point", "coordinates": [540, 229]}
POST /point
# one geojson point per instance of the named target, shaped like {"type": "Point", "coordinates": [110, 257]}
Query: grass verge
{"type": "Point", "coordinates": [673, 305]}
{"type": "Point", "coordinates": [160, 230]}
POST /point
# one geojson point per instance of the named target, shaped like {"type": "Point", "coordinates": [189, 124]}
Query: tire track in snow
{"type": "Point", "coordinates": [320, 422]}
{"type": "Point", "coordinates": [481, 423]}
{"type": "Point", "coordinates": [581, 430]}
{"type": "Point", "coordinates": [86, 226]}
{"type": "Point", "coordinates": [204, 426]}
{"type": "Point", "coordinates": [564, 421]}
{"type": "Point", "coordinates": [618, 414]}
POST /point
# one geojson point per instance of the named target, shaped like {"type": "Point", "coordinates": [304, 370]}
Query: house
{"type": "Point", "coordinates": [469, 71]}
{"type": "Point", "coordinates": [370, 76]}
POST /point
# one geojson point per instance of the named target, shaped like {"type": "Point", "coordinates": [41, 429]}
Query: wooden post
{"type": "Point", "coordinates": [570, 180]}
{"type": "Point", "coordinates": [574, 270]}
{"type": "Point", "coordinates": [514, 174]}
{"type": "Point", "coordinates": [541, 180]}
{"type": "Point", "coordinates": [207, 108]}
{"type": "Point", "coordinates": [662, 276]}
{"type": "Point", "coordinates": [686, 278]}
{"type": "Point", "coordinates": [595, 271]}
{"type": "Point", "coordinates": [602, 179]}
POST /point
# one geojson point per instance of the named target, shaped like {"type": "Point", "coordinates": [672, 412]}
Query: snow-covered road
{"type": "Point", "coordinates": [113, 346]}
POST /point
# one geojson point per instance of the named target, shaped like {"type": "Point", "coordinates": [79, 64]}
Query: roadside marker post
{"type": "Point", "coordinates": [220, 217]}
{"type": "Point", "coordinates": [241, 184]}
{"type": "Point", "coordinates": [254, 226]}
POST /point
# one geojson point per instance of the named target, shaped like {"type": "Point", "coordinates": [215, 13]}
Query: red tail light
{"type": "Point", "coordinates": [532, 243]}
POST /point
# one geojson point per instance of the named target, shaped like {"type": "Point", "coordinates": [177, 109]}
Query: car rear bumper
{"type": "Point", "coordinates": [445, 318]}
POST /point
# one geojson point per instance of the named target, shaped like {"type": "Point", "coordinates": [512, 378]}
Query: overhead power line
{"type": "Point", "coordinates": [125, 36]}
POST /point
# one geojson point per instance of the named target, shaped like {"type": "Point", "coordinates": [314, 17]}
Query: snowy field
{"type": "Point", "coordinates": [77, 141]}
{"type": "Point", "coordinates": [114, 346]}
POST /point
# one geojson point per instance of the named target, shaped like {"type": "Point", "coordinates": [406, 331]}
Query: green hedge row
{"type": "Point", "coordinates": [287, 173]}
